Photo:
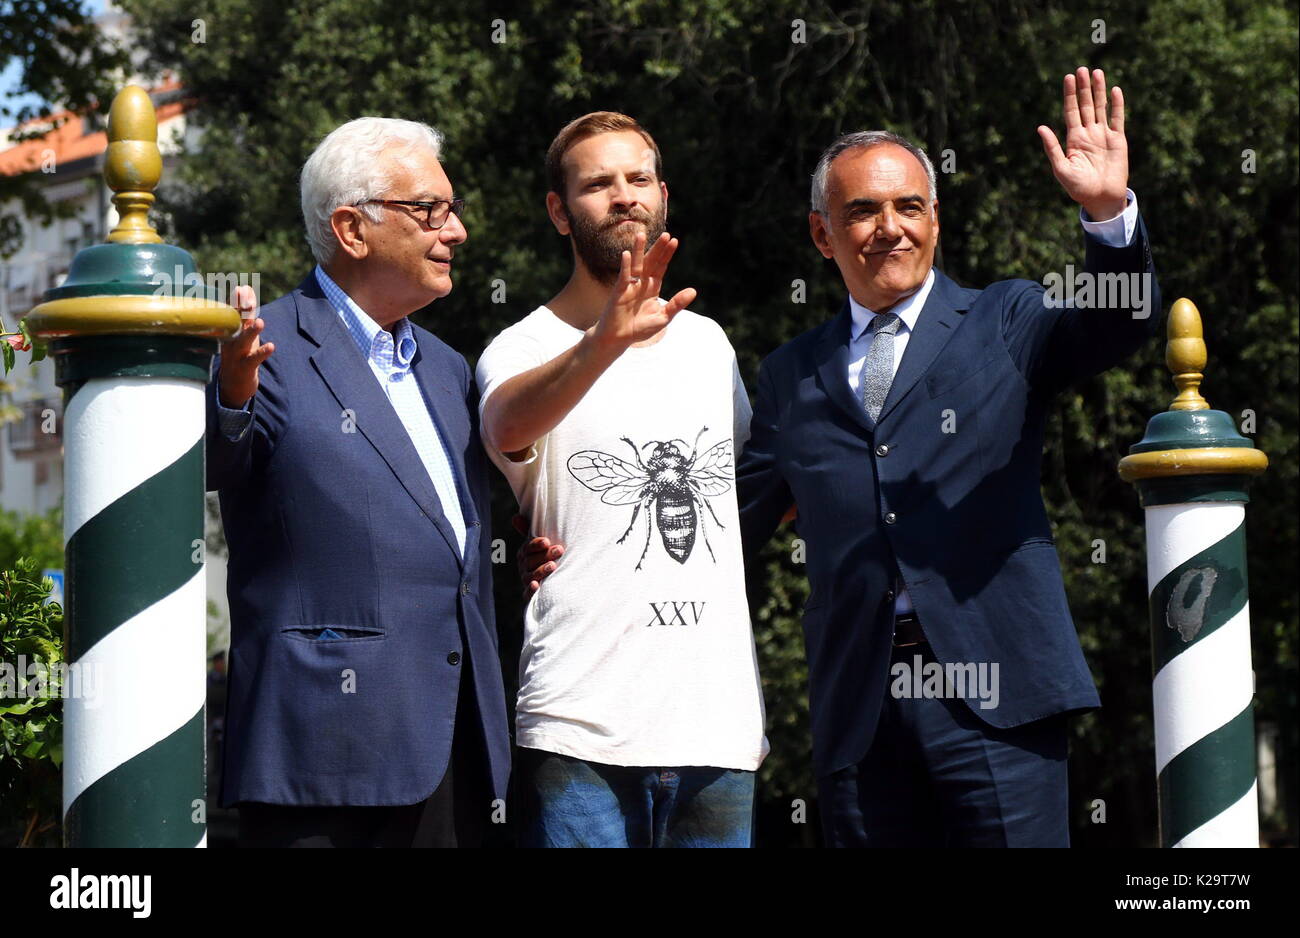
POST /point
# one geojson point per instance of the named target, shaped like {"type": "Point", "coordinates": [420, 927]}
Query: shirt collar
{"type": "Point", "coordinates": [908, 310]}
{"type": "Point", "coordinates": [371, 339]}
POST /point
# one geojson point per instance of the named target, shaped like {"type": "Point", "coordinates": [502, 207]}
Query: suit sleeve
{"type": "Point", "coordinates": [236, 440]}
{"type": "Point", "coordinates": [762, 491]}
{"type": "Point", "coordinates": [1055, 342]}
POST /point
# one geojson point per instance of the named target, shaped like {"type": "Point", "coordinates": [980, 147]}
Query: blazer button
{"type": "Point", "coordinates": [889, 594]}
{"type": "Point", "coordinates": [890, 517]}
{"type": "Point", "coordinates": [882, 449]}
{"type": "Point", "coordinates": [464, 588]}
{"type": "Point", "coordinates": [454, 658]}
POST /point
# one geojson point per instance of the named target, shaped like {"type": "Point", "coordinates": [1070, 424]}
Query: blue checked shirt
{"type": "Point", "coordinates": [390, 362]}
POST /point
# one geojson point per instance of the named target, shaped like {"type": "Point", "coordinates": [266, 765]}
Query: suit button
{"type": "Point", "coordinates": [882, 449]}
{"type": "Point", "coordinates": [454, 658]}
{"type": "Point", "coordinates": [464, 588]}
{"type": "Point", "coordinates": [889, 594]}
{"type": "Point", "coordinates": [890, 517]}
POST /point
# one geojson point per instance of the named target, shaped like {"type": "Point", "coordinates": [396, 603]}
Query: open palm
{"type": "Point", "coordinates": [634, 313]}
{"type": "Point", "coordinates": [1093, 167]}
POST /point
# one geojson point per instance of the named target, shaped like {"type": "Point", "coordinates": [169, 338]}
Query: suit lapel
{"type": "Point", "coordinates": [934, 327]}
{"type": "Point", "coordinates": [349, 378]}
{"type": "Point", "coordinates": [440, 400]}
{"type": "Point", "coordinates": [833, 367]}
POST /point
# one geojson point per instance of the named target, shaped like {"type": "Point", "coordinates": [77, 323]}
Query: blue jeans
{"type": "Point", "coordinates": [567, 802]}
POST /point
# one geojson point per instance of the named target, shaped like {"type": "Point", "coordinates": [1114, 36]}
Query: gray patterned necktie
{"type": "Point", "coordinates": [878, 369]}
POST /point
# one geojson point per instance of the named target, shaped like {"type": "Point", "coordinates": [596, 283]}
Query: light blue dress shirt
{"type": "Point", "coordinates": [1114, 232]}
{"type": "Point", "coordinates": [389, 356]}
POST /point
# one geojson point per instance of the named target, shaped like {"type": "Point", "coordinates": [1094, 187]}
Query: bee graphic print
{"type": "Point", "coordinates": [665, 482]}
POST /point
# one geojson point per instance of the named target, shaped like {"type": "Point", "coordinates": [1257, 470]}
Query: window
{"type": "Point", "coordinates": [39, 429]}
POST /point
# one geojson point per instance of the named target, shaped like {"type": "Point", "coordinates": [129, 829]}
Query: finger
{"type": "Point", "coordinates": [539, 549]}
{"type": "Point", "coordinates": [660, 254]}
{"type": "Point", "coordinates": [532, 587]}
{"type": "Point", "coordinates": [638, 254]}
{"type": "Point", "coordinates": [1052, 147]}
{"type": "Point", "coordinates": [244, 342]}
{"type": "Point", "coordinates": [245, 301]}
{"type": "Point", "coordinates": [1086, 112]}
{"type": "Point", "coordinates": [652, 253]}
{"type": "Point", "coordinates": [1071, 105]}
{"type": "Point", "coordinates": [650, 262]}
{"type": "Point", "coordinates": [1117, 110]}
{"type": "Point", "coordinates": [1099, 96]}
{"type": "Point", "coordinates": [625, 275]}
{"type": "Point", "coordinates": [262, 353]}
{"type": "Point", "coordinates": [254, 337]}
{"type": "Point", "coordinates": [670, 248]}
{"type": "Point", "coordinates": [680, 300]}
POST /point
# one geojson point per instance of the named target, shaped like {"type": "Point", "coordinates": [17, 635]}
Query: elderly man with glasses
{"type": "Point", "coordinates": [366, 706]}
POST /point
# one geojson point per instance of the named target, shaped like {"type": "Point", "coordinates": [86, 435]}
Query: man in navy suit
{"type": "Point", "coordinates": [908, 431]}
{"type": "Point", "coordinates": [366, 704]}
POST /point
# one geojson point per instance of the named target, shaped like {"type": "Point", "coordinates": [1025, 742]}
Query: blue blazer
{"type": "Point", "coordinates": [955, 457]}
{"type": "Point", "coordinates": [333, 523]}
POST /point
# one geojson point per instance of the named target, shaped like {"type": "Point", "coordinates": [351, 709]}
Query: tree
{"type": "Point", "coordinates": [741, 96]}
{"type": "Point", "coordinates": [67, 64]}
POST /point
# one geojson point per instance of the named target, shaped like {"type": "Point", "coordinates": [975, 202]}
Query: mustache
{"type": "Point", "coordinates": [614, 220]}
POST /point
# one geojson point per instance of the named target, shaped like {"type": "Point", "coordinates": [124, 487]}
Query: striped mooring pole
{"type": "Point", "coordinates": [1191, 471]}
{"type": "Point", "coordinates": [133, 346]}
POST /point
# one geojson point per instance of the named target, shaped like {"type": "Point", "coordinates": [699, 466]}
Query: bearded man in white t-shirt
{"type": "Point", "coordinates": [616, 417]}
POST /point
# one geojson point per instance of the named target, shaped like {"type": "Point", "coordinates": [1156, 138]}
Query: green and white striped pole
{"type": "Point", "coordinates": [1192, 469]}
{"type": "Point", "coordinates": [133, 356]}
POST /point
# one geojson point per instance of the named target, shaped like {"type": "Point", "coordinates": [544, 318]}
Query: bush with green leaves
{"type": "Point", "coordinates": [31, 707]}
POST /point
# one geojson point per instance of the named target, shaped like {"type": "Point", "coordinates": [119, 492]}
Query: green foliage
{"type": "Point", "coordinates": [39, 537]}
{"type": "Point", "coordinates": [741, 113]}
{"type": "Point", "coordinates": [31, 711]}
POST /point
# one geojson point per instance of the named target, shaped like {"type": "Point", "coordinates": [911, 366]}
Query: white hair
{"type": "Point", "coordinates": [347, 168]}
{"type": "Point", "coordinates": [861, 140]}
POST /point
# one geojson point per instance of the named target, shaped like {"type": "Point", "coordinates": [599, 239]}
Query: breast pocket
{"type": "Point", "coordinates": [325, 634]}
{"type": "Point", "coordinates": [955, 370]}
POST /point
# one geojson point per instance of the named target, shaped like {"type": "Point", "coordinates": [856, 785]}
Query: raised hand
{"type": "Point", "coordinates": [1093, 169]}
{"type": "Point", "coordinates": [244, 354]}
{"type": "Point", "coordinates": [634, 313]}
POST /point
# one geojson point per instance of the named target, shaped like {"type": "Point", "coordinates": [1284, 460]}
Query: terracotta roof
{"type": "Point", "coordinates": [70, 141]}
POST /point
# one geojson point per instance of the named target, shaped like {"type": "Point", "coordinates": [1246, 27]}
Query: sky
{"type": "Point", "coordinates": [13, 71]}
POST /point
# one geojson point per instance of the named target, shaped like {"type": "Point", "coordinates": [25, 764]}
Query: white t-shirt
{"type": "Point", "coordinates": [637, 649]}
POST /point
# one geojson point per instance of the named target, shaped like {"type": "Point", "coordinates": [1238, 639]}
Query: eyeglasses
{"type": "Point", "coordinates": [435, 214]}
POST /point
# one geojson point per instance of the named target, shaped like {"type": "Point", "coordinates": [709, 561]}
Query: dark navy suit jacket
{"type": "Point", "coordinates": [968, 531]}
{"type": "Point", "coordinates": [333, 522]}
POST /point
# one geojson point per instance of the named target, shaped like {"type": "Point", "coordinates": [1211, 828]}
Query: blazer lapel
{"type": "Point", "coordinates": [440, 400]}
{"type": "Point", "coordinates": [934, 327]}
{"type": "Point", "coordinates": [349, 378]}
{"type": "Point", "coordinates": [833, 367]}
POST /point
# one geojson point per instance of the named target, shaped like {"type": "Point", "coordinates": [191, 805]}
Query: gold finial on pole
{"type": "Point", "coordinates": [1185, 355]}
{"type": "Point", "coordinates": [134, 165]}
